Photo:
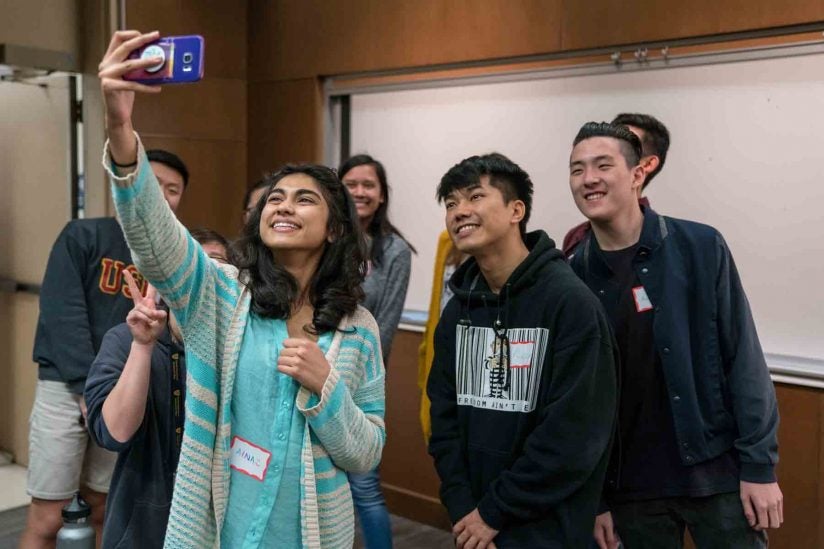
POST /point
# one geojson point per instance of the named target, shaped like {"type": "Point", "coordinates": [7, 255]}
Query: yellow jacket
{"type": "Point", "coordinates": [426, 352]}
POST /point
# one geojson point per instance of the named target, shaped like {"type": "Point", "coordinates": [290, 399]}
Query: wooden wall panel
{"type": "Point", "coordinates": [284, 124]}
{"type": "Point", "coordinates": [222, 24]}
{"type": "Point", "coordinates": [820, 516]}
{"type": "Point", "coordinates": [94, 25]}
{"type": "Point", "coordinates": [53, 25]}
{"type": "Point", "coordinates": [408, 476]}
{"type": "Point", "coordinates": [290, 39]}
{"type": "Point", "coordinates": [611, 22]}
{"type": "Point", "coordinates": [217, 181]}
{"type": "Point", "coordinates": [204, 123]}
{"type": "Point", "coordinates": [799, 467]}
{"type": "Point", "coordinates": [211, 109]}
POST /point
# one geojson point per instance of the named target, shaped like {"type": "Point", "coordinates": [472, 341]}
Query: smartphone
{"type": "Point", "coordinates": [182, 61]}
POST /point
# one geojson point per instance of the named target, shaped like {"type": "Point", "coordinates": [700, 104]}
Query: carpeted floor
{"type": "Point", "coordinates": [406, 534]}
{"type": "Point", "coordinates": [11, 526]}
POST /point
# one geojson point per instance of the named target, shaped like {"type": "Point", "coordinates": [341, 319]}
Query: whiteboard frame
{"type": "Point", "coordinates": [333, 91]}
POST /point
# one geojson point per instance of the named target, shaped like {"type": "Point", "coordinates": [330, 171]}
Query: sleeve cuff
{"type": "Point", "coordinates": [318, 410]}
{"type": "Point", "coordinates": [458, 505]}
{"type": "Point", "coordinates": [758, 473]}
{"type": "Point", "coordinates": [491, 514]}
{"type": "Point", "coordinates": [129, 179]}
{"type": "Point", "coordinates": [603, 506]}
{"type": "Point", "coordinates": [106, 440]}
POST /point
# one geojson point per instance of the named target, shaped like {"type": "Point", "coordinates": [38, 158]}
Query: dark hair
{"type": "Point", "coordinates": [504, 174]}
{"type": "Point", "coordinates": [257, 185]}
{"type": "Point", "coordinates": [171, 160]}
{"type": "Point", "coordinates": [335, 287]}
{"type": "Point", "coordinates": [380, 226]}
{"type": "Point", "coordinates": [629, 142]}
{"type": "Point", "coordinates": [656, 139]}
{"type": "Point", "coordinates": [204, 236]}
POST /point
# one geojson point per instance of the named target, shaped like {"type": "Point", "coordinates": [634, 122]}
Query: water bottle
{"type": "Point", "coordinates": [77, 532]}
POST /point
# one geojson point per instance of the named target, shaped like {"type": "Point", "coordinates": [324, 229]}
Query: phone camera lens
{"type": "Point", "coordinates": [187, 57]}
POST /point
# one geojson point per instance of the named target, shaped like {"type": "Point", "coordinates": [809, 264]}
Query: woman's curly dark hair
{"type": "Point", "coordinates": [335, 288]}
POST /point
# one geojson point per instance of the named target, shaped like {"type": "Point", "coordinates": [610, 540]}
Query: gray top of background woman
{"type": "Point", "coordinates": [385, 288]}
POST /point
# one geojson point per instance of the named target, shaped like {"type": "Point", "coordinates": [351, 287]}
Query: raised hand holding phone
{"type": "Point", "coordinates": [146, 322]}
{"type": "Point", "coordinates": [118, 94]}
{"type": "Point", "coordinates": [132, 62]}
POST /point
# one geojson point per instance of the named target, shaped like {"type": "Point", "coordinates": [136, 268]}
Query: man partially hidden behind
{"type": "Point", "coordinates": [698, 418]}
{"type": "Point", "coordinates": [135, 394]}
{"type": "Point", "coordinates": [82, 297]}
{"type": "Point", "coordinates": [523, 382]}
{"type": "Point", "coordinates": [655, 142]}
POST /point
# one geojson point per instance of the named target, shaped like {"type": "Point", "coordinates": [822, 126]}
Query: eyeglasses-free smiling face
{"type": "Point", "coordinates": [602, 184]}
{"type": "Point", "coordinates": [365, 188]}
{"type": "Point", "coordinates": [478, 216]}
{"type": "Point", "coordinates": [295, 216]}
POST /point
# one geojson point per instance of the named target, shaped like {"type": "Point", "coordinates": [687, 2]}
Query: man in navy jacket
{"type": "Point", "coordinates": [696, 443]}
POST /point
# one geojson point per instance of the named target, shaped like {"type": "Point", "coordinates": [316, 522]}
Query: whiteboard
{"type": "Point", "coordinates": [746, 157]}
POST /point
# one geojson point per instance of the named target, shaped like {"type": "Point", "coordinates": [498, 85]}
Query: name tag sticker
{"type": "Point", "coordinates": [249, 459]}
{"type": "Point", "coordinates": [642, 302]}
{"type": "Point", "coordinates": [520, 354]}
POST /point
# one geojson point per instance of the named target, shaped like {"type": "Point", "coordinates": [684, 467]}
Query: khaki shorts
{"type": "Point", "coordinates": [61, 453]}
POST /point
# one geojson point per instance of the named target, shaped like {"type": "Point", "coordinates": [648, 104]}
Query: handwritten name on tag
{"type": "Point", "coordinates": [520, 353]}
{"type": "Point", "coordinates": [249, 459]}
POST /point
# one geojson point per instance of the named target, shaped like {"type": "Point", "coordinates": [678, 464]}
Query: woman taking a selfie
{"type": "Point", "coordinates": [285, 382]}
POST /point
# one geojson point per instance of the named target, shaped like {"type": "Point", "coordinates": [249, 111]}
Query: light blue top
{"type": "Point", "coordinates": [266, 513]}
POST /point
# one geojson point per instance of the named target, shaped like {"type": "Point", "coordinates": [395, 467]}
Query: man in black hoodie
{"type": "Point", "coordinates": [523, 383]}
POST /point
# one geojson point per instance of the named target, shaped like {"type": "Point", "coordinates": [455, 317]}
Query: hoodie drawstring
{"type": "Point", "coordinates": [503, 336]}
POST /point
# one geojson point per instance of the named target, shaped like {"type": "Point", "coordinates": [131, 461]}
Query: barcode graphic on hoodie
{"type": "Point", "coordinates": [490, 376]}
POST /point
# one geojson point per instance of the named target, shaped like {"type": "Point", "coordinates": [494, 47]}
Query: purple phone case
{"type": "Point", "coordinates": [183, 61]}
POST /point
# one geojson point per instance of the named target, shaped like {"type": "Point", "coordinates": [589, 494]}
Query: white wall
{"type": "Point", "coordinates": [746, 157]}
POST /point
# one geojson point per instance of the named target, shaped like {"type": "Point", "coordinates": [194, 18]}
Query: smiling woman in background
{"type": "Point", "coordinates": [390, 261]}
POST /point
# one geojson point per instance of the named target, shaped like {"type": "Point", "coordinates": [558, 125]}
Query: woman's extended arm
{"type": "Point", "coordinates": [162, 248]}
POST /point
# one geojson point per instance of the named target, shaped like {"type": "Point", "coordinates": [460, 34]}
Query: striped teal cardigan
{"type": "Point", "coordinates": [344, 429]}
